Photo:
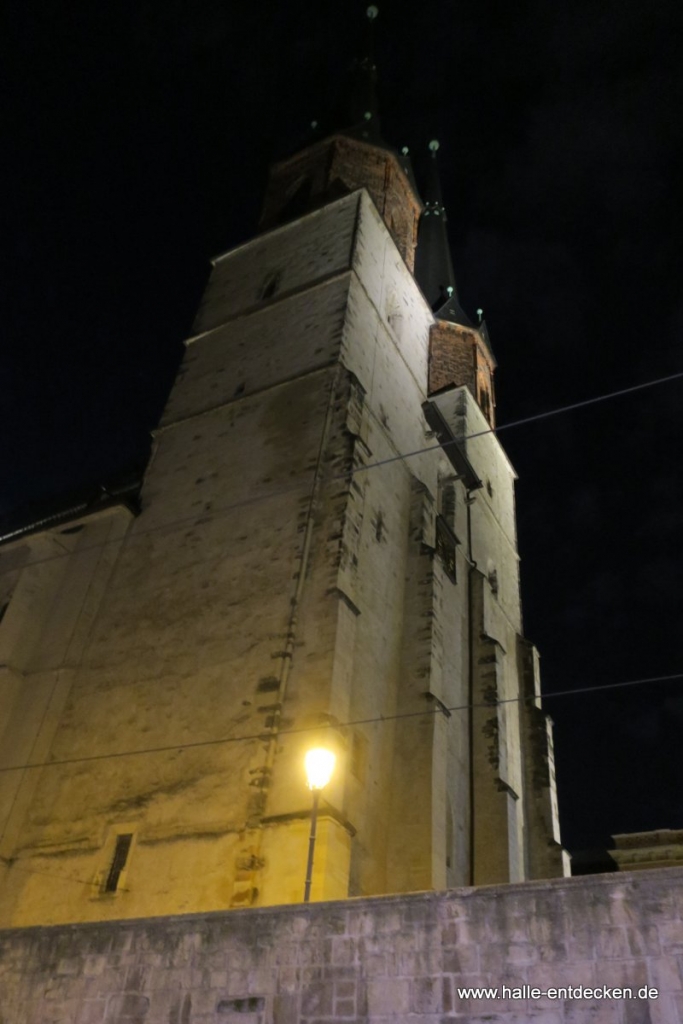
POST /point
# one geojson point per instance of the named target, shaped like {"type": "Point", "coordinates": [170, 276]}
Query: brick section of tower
{"type": "Point", "coordinates": [336, 167]}
{"type": "Point", "coordinates": [457, 356]}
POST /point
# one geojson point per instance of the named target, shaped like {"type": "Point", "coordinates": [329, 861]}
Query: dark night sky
{"type": "Point", "coordinates": [138, 141]}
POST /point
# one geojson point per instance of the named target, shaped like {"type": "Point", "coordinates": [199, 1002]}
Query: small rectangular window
{"type": "Point", "coordinates": [121, 851]}
{"type": "Point", "coordinates": [446, 502]}
{"type": "Point", "coordinates": [445, 547]}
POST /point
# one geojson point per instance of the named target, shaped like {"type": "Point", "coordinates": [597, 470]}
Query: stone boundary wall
{"type": "Point", "coordinates": [379, 960]}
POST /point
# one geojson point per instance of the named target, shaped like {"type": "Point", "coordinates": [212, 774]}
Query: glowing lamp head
{"type": "Point", "coordinates": [319, 767]}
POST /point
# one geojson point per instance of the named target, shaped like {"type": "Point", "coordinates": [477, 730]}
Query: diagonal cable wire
{"type": "Point", "coordinates": [349, 474]}
{"type": "Point", "coordinates": [250, 737]}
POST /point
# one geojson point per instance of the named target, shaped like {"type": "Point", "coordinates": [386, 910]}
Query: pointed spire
{"type": "Point", "coordinates": [433, 264]}
{"type": "Point", "coordinates": [346, 153]}
{"type": "Point", "coordinates": [356, 112]}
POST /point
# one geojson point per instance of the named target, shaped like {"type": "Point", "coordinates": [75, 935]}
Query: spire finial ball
{"type": "Point", "coordinates": [434, 145]}
{"type": "Point", "coordinates": [372, 12]}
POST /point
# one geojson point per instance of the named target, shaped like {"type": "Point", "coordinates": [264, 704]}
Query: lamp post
{"type": "Point", "coordinates": [319, 767]}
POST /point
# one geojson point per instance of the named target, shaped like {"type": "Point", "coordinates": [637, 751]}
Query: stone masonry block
{"type": "Point", "coordinates": [318, 1000]}
{"type": "Point", "coordinates": [636, 1011]}
{"type": "Point", "coordinates": [160, 978]}
{"type": "Point", "coordinates": [261, 981]}
{"type": "Point", "coordinates": [496, 956]}
{"type": "Point", "coordinates": [344, 952]}
{"type": "Point", "coordinates": [286, 1009]}
{"type": "Point", "coordinates": [126, 1006]}
{"type": "Point", "coordinates": [621, 973]}
{"type": "Point", "coordinates": [622, 909]}
{"type": "Point", "coordinates": [463, 960]}
{"type": "Point", "coordinates": [168, 1006]}
{"type": "Point", "coordinates": [429, 961]}
{"type": "Point", "coordinates": [378, 965]}
{"type": "Point", "coordinates": [545, 929]}
{"type": "Point", "coordinates": [238, 981]}
{"type": "Point", "coordinates": [93, 966]}
{"type": "Point", "coordinates": [592, 1013]}
{"type": "Point", "coordinates": [72, 966]}
{"type": "Point", "coordinates": [427, 994]}
{"type": "Point", "coordinates": [671, 936]}
{"type": "Point", "coordinates": [450, 910]}
{"type": "Point", "coordinates": [202, 1001]}
{"type": "Point", "coordinates": [581, 944]}
{"type": "Point", "coordinates": [388, 996]}
{"type": "Point", "coordinates": [545, 976]}
{"type": "Point", "coordinates": [367, 924]}
{"type": "Point", "coordinates": [552, 952]}
{"type": "Point", "coordinates": [612, 944]}
{"type": "Point", "coordinates": [665, 974]}
{"type": "Point", "coordinates": [66, 1014]}
{"type": "Point", "coordinates": [644, 941]}
{"type": "Point", "coordinates": [663, 1010]}
{"type": "Point", "coordinates": [468, 931]}
{"type": "Point", "coordinates": [91, 1012]}
{"type": "Point", "coordinates": [310, 953]}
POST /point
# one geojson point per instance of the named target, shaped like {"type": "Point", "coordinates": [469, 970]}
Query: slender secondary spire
{"type": "Point", "coordinates": [433, 264]}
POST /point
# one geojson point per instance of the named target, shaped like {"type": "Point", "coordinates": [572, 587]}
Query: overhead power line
{"type": "Point", "coordinates": [90, 883]}
{"type": "Point", "coordinates": [247, 501]}
{"type": "Point", "coordinates": [526, 419]}
{"type": "Point", "coordinates": [349, 474]}
{"type": "Point", "coordinates": [250, 737]}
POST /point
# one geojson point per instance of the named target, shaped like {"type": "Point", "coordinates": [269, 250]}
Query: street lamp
{"type": "Point", "coordinates": [319, 767]}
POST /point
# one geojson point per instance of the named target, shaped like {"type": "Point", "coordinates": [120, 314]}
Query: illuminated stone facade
{"type": "Point", "coordinates": [641, 851]}
{"type": "Point", "coordinates": [291, 578]}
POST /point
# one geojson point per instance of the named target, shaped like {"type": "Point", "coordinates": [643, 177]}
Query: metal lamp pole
{"type": "Point", "coordinates": [319, 767]}
{"type": "Point", "coordinates": [311, 846]}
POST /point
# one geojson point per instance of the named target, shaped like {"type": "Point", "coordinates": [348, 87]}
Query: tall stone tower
{"type": "Point", "coordinates": [293, 574]}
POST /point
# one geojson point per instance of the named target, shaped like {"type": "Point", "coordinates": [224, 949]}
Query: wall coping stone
{"type": "Point", "coordinates": [630, 880]}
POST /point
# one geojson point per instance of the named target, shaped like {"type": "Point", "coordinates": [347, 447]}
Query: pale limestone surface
{"type": "Point", "coordinates": [640, 851]}
{"type": "Point", "coordinates": [265, 598]}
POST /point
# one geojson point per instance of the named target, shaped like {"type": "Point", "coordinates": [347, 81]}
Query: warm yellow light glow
{"type": "Point", "coordinates": [319, 767]}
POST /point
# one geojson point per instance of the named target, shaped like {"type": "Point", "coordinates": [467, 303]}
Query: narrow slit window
{"type": "Point", "coordinates": [270, 285]}
{"type": "Point", "coordinates": [119, 860]}
{"type": "Point", "coordinates": [447, 502]}
{"type": "Point", "coordinates": [446, 542]}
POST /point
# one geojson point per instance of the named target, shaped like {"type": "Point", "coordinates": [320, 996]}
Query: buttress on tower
{"type": "Point", "coordinates": [292, 576]}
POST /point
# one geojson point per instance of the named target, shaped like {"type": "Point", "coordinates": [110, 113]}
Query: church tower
{"type": "Point", "coordinates": [323, 553]}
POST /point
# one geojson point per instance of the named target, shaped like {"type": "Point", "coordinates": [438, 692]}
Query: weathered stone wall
{"type": "Point", "coordinates": [375, 961]}
{"type": "Point", "coordinates": [264, 595]}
